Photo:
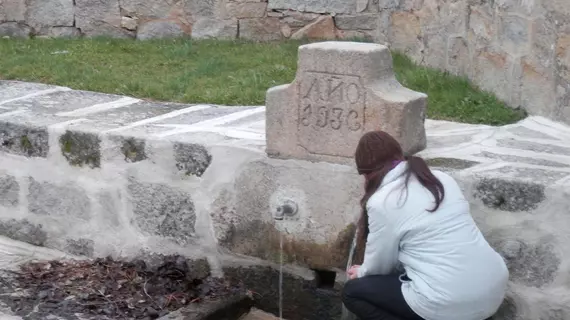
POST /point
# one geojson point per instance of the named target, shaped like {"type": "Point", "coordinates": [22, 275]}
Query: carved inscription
{"type": "Point", "coordinates": [332, 102]}
{"type": "Point", "coordinates": [331, 109]}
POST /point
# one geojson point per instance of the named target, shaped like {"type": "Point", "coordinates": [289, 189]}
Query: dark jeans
{"type": "Point", "coordinates": [377, 298]}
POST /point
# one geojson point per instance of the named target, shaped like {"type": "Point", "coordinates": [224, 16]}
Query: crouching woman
{"type": "Point", "coordinates": [420, 220]}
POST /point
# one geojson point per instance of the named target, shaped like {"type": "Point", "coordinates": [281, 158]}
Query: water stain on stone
{"type": "Point", "coordinates": [509, 195]}
{"type": "Point", "coordinates": [133, 150]}
{"type": "Point", "coordinates": [81, 149]}
{"type": "Point", "coordinates": [333, 254]}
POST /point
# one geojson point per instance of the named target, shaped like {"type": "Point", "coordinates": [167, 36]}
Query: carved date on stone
{"type": "Point", "coordinates": [331, 106]}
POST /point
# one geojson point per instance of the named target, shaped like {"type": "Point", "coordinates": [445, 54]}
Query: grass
{"type": "Point", "coordinates": [218, 72]}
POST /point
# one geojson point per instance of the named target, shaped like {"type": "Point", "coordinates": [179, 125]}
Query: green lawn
{"type": "Point", "coordinates": [218, 72]}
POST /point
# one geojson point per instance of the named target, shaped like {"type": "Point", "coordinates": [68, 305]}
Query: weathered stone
{"type": "Point", "coordinates": [538, 87]}
{"type": "Point", "coordinates": [12, 10]}
{"type": "Point", "coordinates": [159, 29]}
{"type": "Point", "coordinates": [365, 21]}
{"type": "Point", "coordinates": [563, 55]}
{"type": "Point", "coordinates": [54, 200]}
{"type": "Point", "coordinates": [388, 4]}
{"type": "Point", "coordinates": [63, 32]}
{"type": "Point", "coordinates": [147, 9]}
{"type": "Point", "coordinates": [458, 56]}
{"type": "Point", "coordinates": [163, 211]}
{"type": "Point", "coordinates": [450, 163]}
{"type": "Point", "coordinates": [14, 30]}
{"type": "Point", "coordinates": [23, 230]}
{"type": "Point", "coordinates": [514, 34]}
{"type": "Point", "coordinates": [99, 18]}
{"type": "Point", "coordinates": [129, 23]}
{"type": "Point", "coordinates": [509, 196]}
{"type": "Point", "coordinates": [299, 19]}
{"type": "Point", "coordinates": [518, 159]}
{"type": "Point", "coordinates": [81, 149]}
{"type": "Point", "coordinates": [405, 32]}
{"type": "Point", "coordinates": [355, 35]}
{"type": "Point", "coordinates": [481, 24]}
{"type": "Point", "coordinates": [531, 264]}
{"type": "Point", "coordinates": [322, 28]}
{"type": "Point", "coordinates": [236, 305]}
{"type": "Point", "coordinates": [9, 191]}
{"type": "Point", "coordinates": [205, 28]}
{"type": "Point", "coordinates": [23, 140]}
{"type": "Point", "coordinates": [247, 9]}
{"type": "Point", "coordinates": [342, 89]}
{"type": "Point", "coordinates": [286, 30]}
{"type": "Point", "coordinates": [205, 8]}
{"type": "Point", "coordinates": [318, 6]}
{"type": "Point", "coordinates": [192, 159]}
{"type": "Point", "coordinates": [495, 72]}
{"type": "Point", "coordinates": [265, 29]}
{"type": "Point", "coordinates": [80, 247]}
{"type": "Point", "coordinates": [361, 5]}
{"type": "Point", "coordinates": [134, 150]}
{"type": "Point", "coordinates": [302, 298]}
{"type": "Point", "coordinates": [50, 13]}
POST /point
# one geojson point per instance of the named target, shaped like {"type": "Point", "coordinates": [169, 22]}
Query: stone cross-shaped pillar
{"type": "Point", "coordinates": [341, 91]}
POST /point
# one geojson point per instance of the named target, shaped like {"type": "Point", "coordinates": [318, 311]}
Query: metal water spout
{"type": "Point", "coordinates": [286, 211]}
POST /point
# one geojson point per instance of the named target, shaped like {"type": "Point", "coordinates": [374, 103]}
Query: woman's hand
{"type": "Point", "coordinates": [353, 272]}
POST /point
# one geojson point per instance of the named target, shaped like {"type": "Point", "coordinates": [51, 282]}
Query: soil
{"type": "Point", "coordinates": [109, 289]}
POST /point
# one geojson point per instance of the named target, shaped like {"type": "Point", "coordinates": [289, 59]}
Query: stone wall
{"type": "Point", "coordinates": [518, 49]}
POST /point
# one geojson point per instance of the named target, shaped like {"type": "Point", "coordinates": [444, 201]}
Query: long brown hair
{"type": "Point", "coordinates": [377, 154]}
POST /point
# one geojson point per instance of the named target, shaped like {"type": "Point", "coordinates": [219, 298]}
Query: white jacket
{"type": "Point", "coordinates": [454, 272]}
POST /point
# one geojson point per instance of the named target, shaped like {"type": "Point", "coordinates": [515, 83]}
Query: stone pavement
{"type": "Point", "coordinates": [535, 149]}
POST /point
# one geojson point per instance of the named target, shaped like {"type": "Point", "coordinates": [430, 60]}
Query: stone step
{"type": "Point", "coordinates": [256, 314]}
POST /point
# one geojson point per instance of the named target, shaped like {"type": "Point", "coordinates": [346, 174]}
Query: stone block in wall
{"type": "Point", "coordinates": [62, 32]}
{"type": "Point", "coordinates": [205, 8]}
{"type": "Point", "coordinates": [365, 21]}
{"type": "Point", "coordinates": [12, 10]}
{"type": "Point", "coordinates": [458, 59]}
{"type": "Point", "coordinates": [497, 72]}
{"type": "Point", "coordinates": [160, 210]}
{"type": "Point", "coordinates": [81, 149]}
{"type": "Point", "coordinates": [341, 90]}
{"type": "Point", "coordinates": [160, 29]}
{"type": "Point", "coordinates": [322, 28]}
{"type": "Point", "coordinates": [23, 140]}
{"type": "Point", "coordinates": [246, 9]}
{"type": "Point", "coordinates": [322, 234]}
{"type": "Point", "coordinates": [100, 18]}
{"type": "Point", "coordinates": [481, 28]}
{"type": "Point", "coordinates": [514, 34]}
{"type": "Point", "coordinates": [405, 33]}
{"type": "Point", "coordinates": [538, 88]}
{"type": "Point", "coordinates": [14, 30]}
{"type": "Point", "coordinates": [148, 9]}
{"type": "Point", "coordinates": [23, 230]}
{"type": "Point", "coordinates": [317, 6]}
{"type": "Point", "coordinates": [205, 28]}
{"type": "Point", "coordinates": [58, 200]}
{"type": "Point", "coordinates": [262, 29]}
{"type": "Point", "coordinates": [297, 19]}
{"type": "Point", "coordinates": [50, 13]}
{"type": "Point", "coordinates": [9, 191]}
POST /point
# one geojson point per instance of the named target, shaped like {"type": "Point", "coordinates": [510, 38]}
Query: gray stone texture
{"type": "Point", "coordinates": [160, 29]}
{"type": "Point", "coordinates": [134, 149]}
{"type": "Point", "coordinates": [206, 28]}
{"type": "Point", "coordinates": [12, 10]}
{"type": "Point", "coordinates": [50, 13]}
{"type": "Point", "coordinates": [80, 247]}
{"type": "Point", "coordinates": [99, 18]}
{"type": "Point", "coordinates": [266, 29]}
{"type": "Point", "coordinates": [319, 6]}
{"type": "Point", "coordinates": [192, 159]}
{"type": "Point", "coordinates": [81, 149]}
{"type": "Point", "coordinates": [342, 89]}
{"type": "Point", "coordinates": [58, 200]}
{"type": "Point", "coordinates": [9, 191]}
{"type": "Point", "coordinates": [23, 140]}
{"type": "Point", "coordinates": [23, 230]}
{"type": "Point", "coordinates": [509, 196]}
{"type": "Point", "coordinates": [14, 30]}
{"type": "Point", "coordinates": [163, 211]}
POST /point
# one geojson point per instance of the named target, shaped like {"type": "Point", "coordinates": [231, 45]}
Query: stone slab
{"type": "Point", "coordinates": [318, 6]}
{"type": "Point", "coordinates": [341, 91]}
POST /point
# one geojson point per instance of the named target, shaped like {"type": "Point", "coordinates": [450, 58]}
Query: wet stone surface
{"type": "Point", "coordinates": [9, 191]}
{"type": "Point", "coordinates": [45, 198]}
{"type": "Point", "coordinates": [81, 149]}
{"type": "Point", "coordinates": [23, 230]}
{"type": "Point", "coordinates": [23, 140]}
{"type": "Point", "coordinates": [161, 210]}
{"type": "Point", "coordinates": [302, 299]}
{"type": "Point", "coordinates": [509, 195]}
{"type": "Point", "coordinates": [192, 159]}
{"type": "Point", "coordinates": [108, 289]}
